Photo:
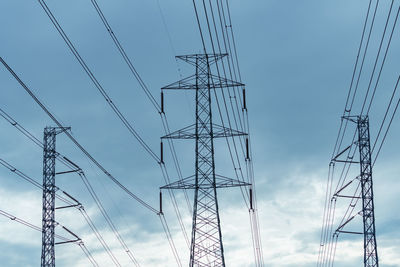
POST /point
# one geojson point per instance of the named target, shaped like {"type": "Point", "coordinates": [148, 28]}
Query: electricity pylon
{"type": "Point", "coordinates": [370, 249]}
{"type": "Point", "coordinates": [367, 194]}
{"type": "Point", "coordinates": [206, 240]}
{"type": "Point", "coordinates": [49, 192]}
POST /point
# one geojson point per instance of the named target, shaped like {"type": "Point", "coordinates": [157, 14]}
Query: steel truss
{"type": "Point", "coordinates": [370, 246]}
{"type": "Point", "coordinates": [367, 195]}
{"type": "Point", "coordinates": [49, 192]}
{"type": "Point", "coordinates": [206, 240]}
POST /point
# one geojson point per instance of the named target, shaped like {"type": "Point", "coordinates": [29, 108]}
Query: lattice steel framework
{"type": "Point", "coordinates": [367, 194]}
{"type": "Point", "coordinates": [370, 246]}
{"type": "Point", "coordinates": [206, 240]}
{"type": "Point", "coordinates": [49, 191]}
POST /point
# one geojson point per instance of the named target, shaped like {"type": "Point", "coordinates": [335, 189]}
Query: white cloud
{"type": "Point", "coordinates": [290, 221]}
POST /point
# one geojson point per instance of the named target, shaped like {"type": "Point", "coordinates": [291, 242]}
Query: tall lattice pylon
{"type": "Point", "coordinates": [49, 192]}
{"type": "Point", "coordinates": [367, 194]}
{"type": "Point", "coordinates": [206, 240]}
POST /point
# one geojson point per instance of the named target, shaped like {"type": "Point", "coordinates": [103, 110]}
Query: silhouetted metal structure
{"type": "Point", "coordinates": [49, 192]}
{"type": "Point", "coordinates": [370, 247]}
{"type": "Point", "coordinates": [367, 194]}
{"type": "Point", "coordinates": [206, 240]}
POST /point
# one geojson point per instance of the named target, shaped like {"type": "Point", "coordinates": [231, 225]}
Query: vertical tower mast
{"type": "Point", "coordinates": [206, 240]}
{"type": "Point", "coordinates": [206, 228]}
{"type": "Point", "coordinates": [49, 191]}
{"type": "Point", "coordinates": [370, 247]}
{"type": "Point", "coordinates": [367, 194]}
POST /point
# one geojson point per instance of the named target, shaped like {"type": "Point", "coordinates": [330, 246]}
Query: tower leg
{"type": "Point", "coordinates": [370, 246]}
{"type": "Point", "coordinates": [206, 246]}
{"type": "Point", "coordinates": [49, 189]}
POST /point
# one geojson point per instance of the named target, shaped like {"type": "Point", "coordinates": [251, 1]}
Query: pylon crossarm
{"type": "Point", "coordinates": [67, 242]}
{"type": "Point", "coordinates": [344, 196]}
{"type": "Point", "coordinates": [345, 223]}
{"type": "Point", "coordinates": [189, 132]}
{"type": "Point", "coordinates": [349, 232]}
{"type": "Point", "coordinates": [341, 153]}
{"type": "Point", "coordinates": [206, 241]}
{"type": "Point", "coordinates": [69, 206]}
{"type": "Point", "coordinates": [341, 189]}
{"type": "Point", "coordinates": [190, 183]}
{"type": "Point", "coordinates": [192, 59]}
{"type": "Point", "coordinates": [189, 83]}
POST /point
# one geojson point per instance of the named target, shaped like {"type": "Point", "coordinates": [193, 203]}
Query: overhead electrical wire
{"type": "Point", "coordinates": [152, 100]}
{"type": "Point", "coordinates": [255, 236]}
{"type": "Point", "coordinates": [79, 242]}
{"type": "Point", "coordinates": [218, 103]}
{"type": "Point", "coordinates": [249, 166]}
{"type": "Point", "coordinates": [96, 83]}
{"type": "Point", "coordinates": [104, 93]}
{"type": "Point", "coordinates": [125, 57]}
{"type": "Point", "coordinates": [388, 127]}
{"type": "Point", "coordinates": [68, 202]}
{"type": "Point", "coordinates": [85, 181]}
{"type": "Point", "coordinates": [76, 142]}
{"type": "Point", "coordinates": [344, 174]}
{"type": "Point", "coordinates": [85, 152]}
{"type": "Point", "coordinates": [377, 58]}
{"type": "Point", "coordinates": [348, 110]}
{"type": "Point", "coordinates": [249, 162]}
{"type": "Point", "coordinates": [246, 128]}
{"type": "Point", "coordinates": [384, 60]}
{"type": "Point", "coordinates": [107, 217]}
{"type": "Point", "coordinates": [205, 50]}
{"type": "Point", "coordinates": [329, 258]}
{"type": "Point", "coordinates": [236, 164]}
{"type": "Point", "coordinates": [343, 178]}
{"type": "Point", "coordinates": [48, 12]}
{"type": "Point", "coordinates": [329, 208]}
{"type": "Point", "coordinates": [385, 116]}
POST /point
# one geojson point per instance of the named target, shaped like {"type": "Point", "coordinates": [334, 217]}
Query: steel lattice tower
{"type": "Point", "coordinates": [49, 191]}
{"type": "Point", "coordinates": [367, 194]}
{"type": "Point", "coordinates": [370, 247]}
{"type": "Point", "coordinates": [206, 239]}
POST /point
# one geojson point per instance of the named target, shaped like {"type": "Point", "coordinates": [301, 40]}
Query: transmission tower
{"type": "Point", "coordinates": [367, 195]}
{"type": "Point", "coordinates": [49, 191]}
{"type": "Point", "coordinates": [206, 240]}
{"type": "Point", "coordinates": [370, 250]}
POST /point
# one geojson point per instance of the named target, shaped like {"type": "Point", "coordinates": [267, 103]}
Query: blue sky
{"type": "Point", "coordinates": [296, 59]}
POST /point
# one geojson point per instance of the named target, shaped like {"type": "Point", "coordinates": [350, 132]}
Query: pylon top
{"type": "Point", "coordinates": [192, 59]}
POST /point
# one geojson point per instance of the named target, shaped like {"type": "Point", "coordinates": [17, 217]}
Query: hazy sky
{"type": "Point", "coordinates": [296, 59]}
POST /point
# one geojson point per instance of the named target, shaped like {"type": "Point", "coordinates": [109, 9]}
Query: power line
{"type": "Point", "coordinates": [85, 152]}
{"type": "Point", "coordinates": [386, 113]}
{"type": "Point", "coordinates": [125, 56]}
{"type": "Point", "coordinates": [387, 129]}
{"type": "Point", "coordinates": [158, 108]}
{"type": "Point", "coordinates": [68, 202]}
{"type": "Point", "coordinates": [330, 203]}
{"type": "Point", "coordinates": [328, 258]}
{"type": "Point", "coordinates": [96, 82]}
{"type": "Point", "coordinates": [107, 218]}
{"type": "Point", "coordinates": [384, 60]}
{"type": "Point", "coordinates": [84, 179]}
{"type": "Point", "coordinates": [79, 242]}
{"type": "Point", "coordinates": [256, 232]}
{"type": "Point", "coordinates": [377, 57]}
{"type": "Point", "coordinates": [255, 227]}
{"type": "Point", "coordinates": [142, 202]}
{"type": "Point", "coordinates": [346, 110]}
{"type": "Point", "coordinates": [68, 163]}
